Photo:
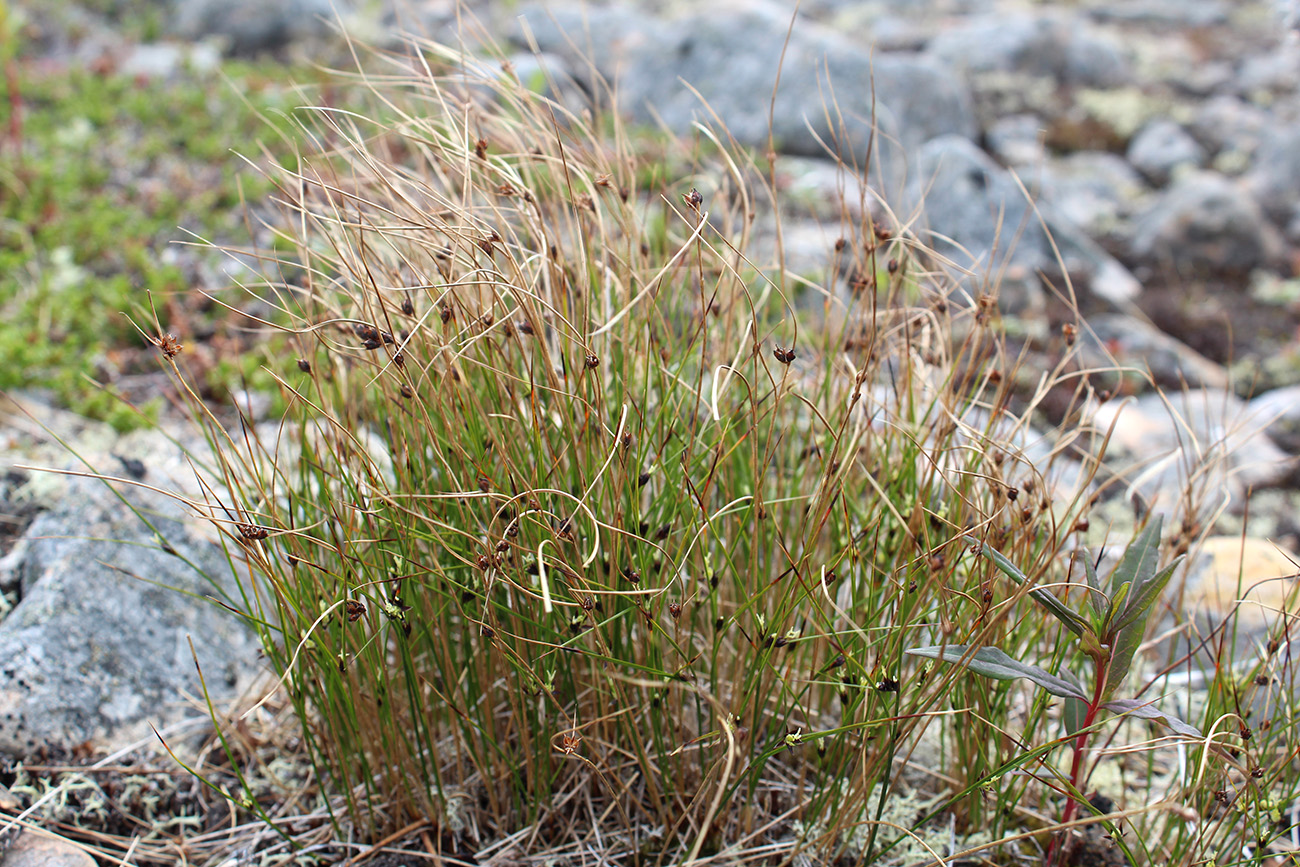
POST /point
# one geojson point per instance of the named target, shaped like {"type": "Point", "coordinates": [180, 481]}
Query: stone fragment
{"type": "Point", "coordinates": [38, 849]}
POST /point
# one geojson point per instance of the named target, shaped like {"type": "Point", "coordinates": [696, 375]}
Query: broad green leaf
{"type": "Point", "coordinates": [1046, 598]}
{"type": "Point", "coordinates": [994, 663]}
{"type": "Point", "coordinates": [1146, 710]}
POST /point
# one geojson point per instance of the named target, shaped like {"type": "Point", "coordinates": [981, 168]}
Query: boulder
{"type": "Point", "coordinates": [1278, 414]}
{"type": "Point", "coordinates": [248, 27]}
{"type": "Point", "coordinates": [109, 590]}
{"type": "Point", "coordinates": [980, 219]}
{"type": "Point", "coordinates": [1161, 148]}
{"type": "Point", "coordinates": [825, 98]}
{"type": "Point", "coordinates": [1275, 178]}
{"type": "Point", "coordinates": [1039, 46]}
{"type": "Point", "coordinates": [1250, 579]}
{"type": "Point", "coordinates": [1133, 343]}
{"type": "Point", "coordinates": [1095, 190]}
{"type": "Point", "coordinates": [1205, 224]}
{"type": "Point", "coordinates": [1232, 130]}
{"type": "Point", "coordinates": [98, 645]}
{"type": "Point", "coordinates": [1205, 439]}
{"type": "Point", "coordinates": [1017, 140]}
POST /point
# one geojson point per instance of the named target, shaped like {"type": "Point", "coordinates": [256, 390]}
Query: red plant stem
{"type": "Point", "coordinates": [1076, 768]}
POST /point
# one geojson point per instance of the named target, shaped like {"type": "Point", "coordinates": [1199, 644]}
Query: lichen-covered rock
{"type": "Point", "coordinates": [98, 646]}
{"type": "Point", "coordinates": [1275, 178]}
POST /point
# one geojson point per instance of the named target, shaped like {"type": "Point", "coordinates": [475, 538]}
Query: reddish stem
{"type": "Point", "coordinates": [1076, 768]}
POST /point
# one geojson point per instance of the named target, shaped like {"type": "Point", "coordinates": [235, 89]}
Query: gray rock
{"type": "Point", "coordinates": [253, 26]}
{"type": "Point", "coordinates": [1205, 438]}
{"type": "Point", "coordinates": [979, 217]}
{"type": "Point", "coordinates": [1232, 129]}
{"type": "Point", "coordinates": [1275, 178]}
{"type": "Point", "coordinates": [732, 61]}
{"type": "Point", "coordinates": [1129, 342]}
{"type": "Point", "coordinates": [1017, 140]}
{"type": "Point", "coordinates": [1095, 190]}
{"type": "Point", "coordinates": [1047, 47]}
{"type": "Point", "coordinates": [90, 652]}
{"type": "Point", "coordinates": [1161, 148]}
{"type": "Point", "coordinates": [1278, 414]}
{"type": "Point", "coordinates": [1272, 72]}
{"type": "Point", "coordinates": [97, 646]}
{"type": "Point", "coordinates": [1205, 224]}
{"type": "Point", "coordinates": [1163, 13]}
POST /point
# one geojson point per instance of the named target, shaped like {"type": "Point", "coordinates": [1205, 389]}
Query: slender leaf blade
{"type": "Point", "coordinates": [1046, 598]}
{"type": "Point", "coordinates": [1146, 710]}
{"type": "Point", "coordinates": [1140, 559]}
{"type": "Point", "coordinates": [1142, 598]}
{"type": "Point", "coordinates": [994, 663]}
{"type": "Point", "coordinates": [1096, 599]}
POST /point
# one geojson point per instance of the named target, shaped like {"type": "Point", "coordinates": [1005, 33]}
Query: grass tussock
{"type": "Point", "coordinates": [579, 534]}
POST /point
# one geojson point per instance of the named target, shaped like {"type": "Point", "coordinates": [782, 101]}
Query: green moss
{"type": "Point", "coordinates": [107, 171]}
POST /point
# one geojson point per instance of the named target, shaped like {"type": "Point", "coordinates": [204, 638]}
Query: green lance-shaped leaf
{"type": "Point", "coordinates": [1096, 599]}
{"type": "Point", "coordinates": [1136, 568]}
{"type": "Point", "coordinates": [1148, 711]}
{"type": "Point", "coordinates": [994, 663]}
{"type": "Point", "coordinates": [1128, 633]}
{"type": "Point", "coordinates": [1046, 598]}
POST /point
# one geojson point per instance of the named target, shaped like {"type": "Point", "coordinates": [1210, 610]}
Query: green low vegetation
{"type": "Point", "coordinates": [99, 172]}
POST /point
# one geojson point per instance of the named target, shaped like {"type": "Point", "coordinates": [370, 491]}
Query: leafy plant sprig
{"type": "Point", "coordinates": [1109, 633]}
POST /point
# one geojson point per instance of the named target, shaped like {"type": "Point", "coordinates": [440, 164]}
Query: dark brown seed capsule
{"type": "Point", "coordinates": [407, 391]}
{"type": "Point", "coordinates": [304, 365]}
{"type": "Point", "coordinates": [592, 361]}
{"type": "Point", "coordinates": [408, 306]}
{"type": "Point", "coordinates": [675, 609]}
{"type": "Point", "coordinates": [355, 610]}
{"type": "Point", "coordinates": [693, 198]}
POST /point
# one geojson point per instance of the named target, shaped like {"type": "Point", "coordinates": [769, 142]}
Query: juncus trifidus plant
{"type": "Point", "coordinates": [575, 531]}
